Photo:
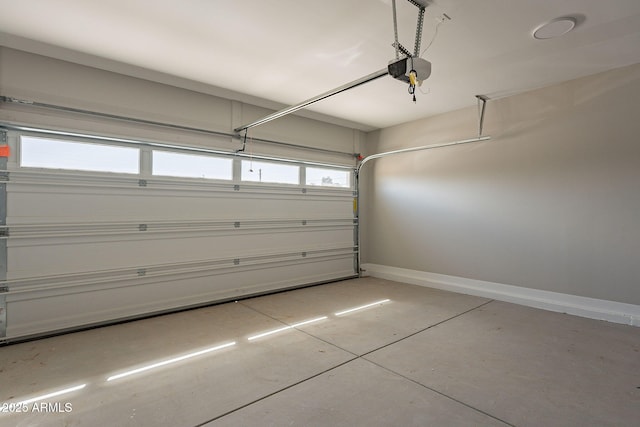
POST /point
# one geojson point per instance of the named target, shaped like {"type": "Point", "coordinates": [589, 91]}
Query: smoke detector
{"type": "Point", "coordinates": [555, 28]}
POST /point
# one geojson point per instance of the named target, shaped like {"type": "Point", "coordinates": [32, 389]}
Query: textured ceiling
{"type": "Point", "coordinates": [289, 50]}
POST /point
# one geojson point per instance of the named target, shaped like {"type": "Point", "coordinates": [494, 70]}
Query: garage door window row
{"type": "Point", "coordinates": [47, 153]}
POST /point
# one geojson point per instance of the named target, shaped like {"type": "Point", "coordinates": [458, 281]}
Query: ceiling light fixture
{"type": "Point", "coordinates": [555, 28]}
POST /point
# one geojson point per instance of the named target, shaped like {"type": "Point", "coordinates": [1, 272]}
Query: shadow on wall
{"type": "Point", "coordinates": [550, 203]}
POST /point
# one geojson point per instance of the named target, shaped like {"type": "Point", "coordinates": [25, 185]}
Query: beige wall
{"type": "Point", "coordinates": [552, 202]}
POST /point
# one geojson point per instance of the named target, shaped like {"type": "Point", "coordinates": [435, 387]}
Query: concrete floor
{"type": "Point", "coordinates": [423, 358]}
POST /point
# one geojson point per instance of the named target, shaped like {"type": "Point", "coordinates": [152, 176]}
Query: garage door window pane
{"type": "Point", "coordinates": [56, 154]}
{"type": "Point", "coordinates": [191, 166]}
{"type": "Point", "coordinates": [328, 177]}
{"type": "Point", "coordinates": [270, 172]}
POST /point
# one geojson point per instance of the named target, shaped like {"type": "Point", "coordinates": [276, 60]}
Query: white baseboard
{"type": "Point", "coordinates": [611, 311]}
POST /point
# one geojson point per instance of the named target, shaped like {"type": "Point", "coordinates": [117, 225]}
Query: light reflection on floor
{"type": "Point", "coordinates": [20, 406]}
{"type": "Point", "coordinates": [329, 357]}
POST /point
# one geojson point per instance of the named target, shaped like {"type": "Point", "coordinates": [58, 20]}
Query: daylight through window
{"type": "Point", "coordinates": [191, 165]}
{"type": "Point", "coordinates": [56, 154]}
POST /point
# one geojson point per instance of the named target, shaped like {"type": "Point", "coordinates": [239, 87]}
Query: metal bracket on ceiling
{"type": "Point", "coordinates": [419, 25]}
{"type": "Point", "coordinates": [482, 103]}
{"type": "Point", "coordinates": [401, 49]}
{"type": "Point", "coordinates": [421, 5]}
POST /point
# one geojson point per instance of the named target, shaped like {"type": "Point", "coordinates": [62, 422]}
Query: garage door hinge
{"type": "Point", "coordinates": [142, 227]}
{"type": "Point", "coordinates": [4, 289]}
{"type": "Point", "coordinates": [4, 231]}
{"type": "Point", "coordinates": [142, 183]}
{"type": "Point", "coordinates": [236, 224]}
{"type": "Point", "coordinates": [3, 136]}
{"type": "Point", "coordinates": [142, 272]}
{"type": "Point", "coordinates": [236, 188]}
{"type": "Point", "coordinates": [4, 176]}
{"type": "Point", "coordinates": [236, 261]}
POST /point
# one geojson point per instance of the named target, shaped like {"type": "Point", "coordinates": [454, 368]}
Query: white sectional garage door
{"type": "Point", "coordinates": [101, 230]}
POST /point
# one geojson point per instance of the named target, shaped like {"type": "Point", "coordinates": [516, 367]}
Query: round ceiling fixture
{"type": "Point", "coordinates": [555, 28]}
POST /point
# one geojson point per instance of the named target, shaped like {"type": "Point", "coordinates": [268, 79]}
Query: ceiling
{"type": "Point", "coordinates": [287, 51]}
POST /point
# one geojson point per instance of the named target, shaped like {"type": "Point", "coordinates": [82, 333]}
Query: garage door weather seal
{"type": "Point", "coordinates": [3, 239]}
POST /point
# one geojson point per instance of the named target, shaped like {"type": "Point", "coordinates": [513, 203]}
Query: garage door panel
{"type": "Point", "coordinates": [32, 313]}
{"type": "Point", "coordinates": [37, 257]}
{"type": "Point", "coordinates": [49, 206]}
{"type": "Point", "coordinates": [86, 248]}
